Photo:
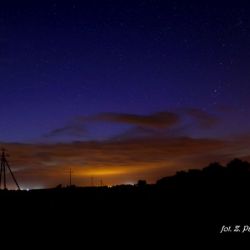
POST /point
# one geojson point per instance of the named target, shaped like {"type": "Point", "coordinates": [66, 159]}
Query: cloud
{"type": "Point", "coordinates": [155, 120]}
{"type": "Point", "coordinates": [160, 123]}
{"type": "Point", "coordinates": [72, 130]}
{"type": "Point", "coordinates": [115, 162]}
{"type": "Point", "coordinates": [202, 118]}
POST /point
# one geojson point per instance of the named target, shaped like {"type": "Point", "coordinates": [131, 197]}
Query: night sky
{"type": "Point", "coordinates": [122, 90]}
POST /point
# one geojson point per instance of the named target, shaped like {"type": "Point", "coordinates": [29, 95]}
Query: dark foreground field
{"type": "Point", "coordinates": [194, 204]}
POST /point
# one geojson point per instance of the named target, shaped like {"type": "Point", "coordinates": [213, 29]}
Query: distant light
{"type": "Point", "coordinates": [27, 189]}
{"type": "Point", "coordinates": [129, 183]}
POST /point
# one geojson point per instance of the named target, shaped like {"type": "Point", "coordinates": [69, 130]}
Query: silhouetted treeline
{"type": "Point", "coordinates": [235, 175]}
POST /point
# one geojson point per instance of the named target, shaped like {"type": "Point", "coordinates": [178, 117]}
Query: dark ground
{"type": "Point", "coordinates": [193, 205]}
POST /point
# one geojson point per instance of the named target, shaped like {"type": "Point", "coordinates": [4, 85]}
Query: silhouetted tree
{"type": "Point", "coordinates": [213, 169]}
{"type": "Point", "coordinates": [238, 165]}
{"type": "Point", "coordinates": [141, 183]}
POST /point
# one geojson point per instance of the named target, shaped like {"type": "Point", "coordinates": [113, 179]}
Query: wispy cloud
{"type": "Point", "coordinates": [202, 118]}
{"type": "Point", "coordinates": [72, 130]}
{"type": "Point", "coordinates": [155, 120]}
{"type": "Point", "coordinates": [157, 123]}
{"type": "Point", "coordinates": [118, 161]}
{"type": "Point", "coordinates": [75, 128]}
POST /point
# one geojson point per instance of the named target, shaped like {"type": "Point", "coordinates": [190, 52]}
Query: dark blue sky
{"type": "Point", "coordinates": [60, 59]}
{"type": "Point", "coordinates": [124, 71]}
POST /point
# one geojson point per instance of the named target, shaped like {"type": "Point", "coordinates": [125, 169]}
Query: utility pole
{"type": "Point", "coordinates": [4, 167]}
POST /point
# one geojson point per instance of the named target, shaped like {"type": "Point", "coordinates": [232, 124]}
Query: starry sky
{"type": "Point", "coordinates": [122, 90]}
